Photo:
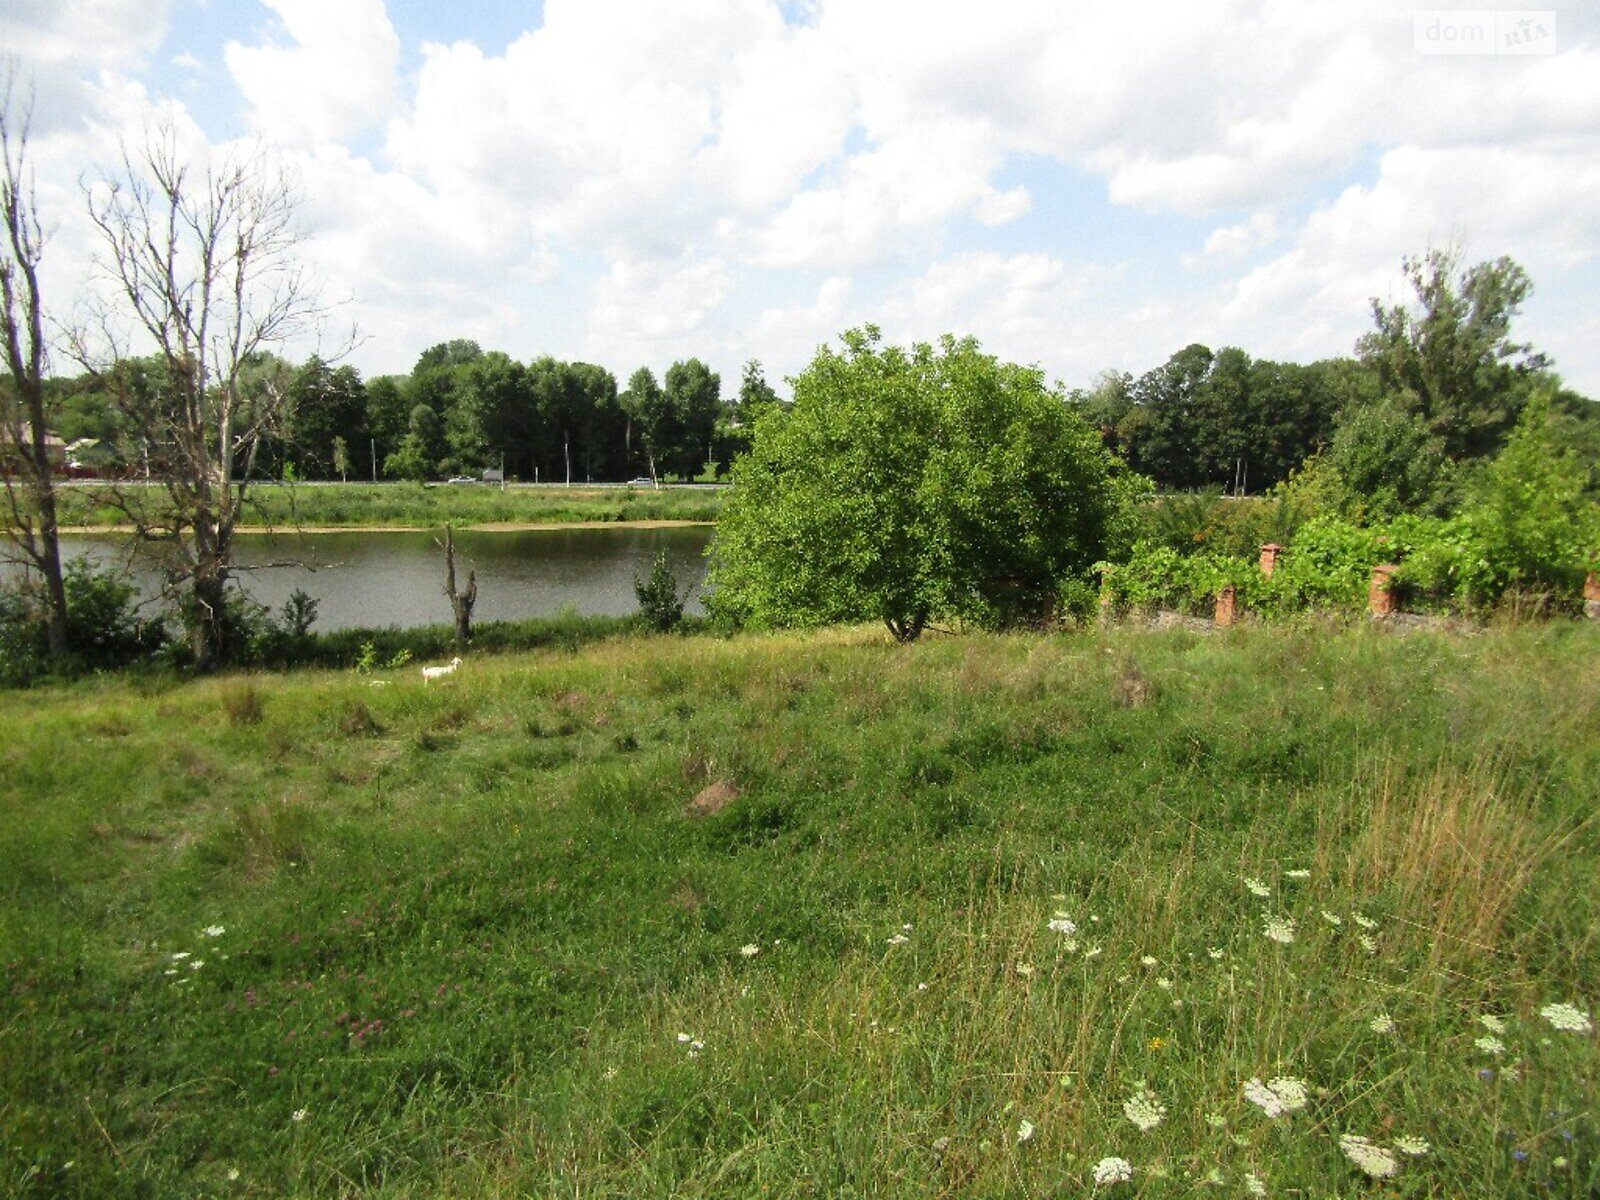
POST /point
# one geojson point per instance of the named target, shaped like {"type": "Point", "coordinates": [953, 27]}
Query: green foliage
{"type": "Point", "coordinates": [1390, 462]}
{"type": "Point", "coordinates": [104, 628]}
{"type": "Point", "coordinates": [905, 486]}
{"type": "Point", "coordinates": [660, 602]}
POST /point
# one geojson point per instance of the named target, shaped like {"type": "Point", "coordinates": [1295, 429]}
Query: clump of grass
{"type": "Point", "coordinates": [242, 703]}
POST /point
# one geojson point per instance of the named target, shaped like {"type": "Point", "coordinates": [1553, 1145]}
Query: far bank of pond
{"type": "Point", "coordinates": [375, 578]}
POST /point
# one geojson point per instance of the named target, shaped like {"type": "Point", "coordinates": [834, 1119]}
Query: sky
{"type": "Point", "coordinates": [633, 182]}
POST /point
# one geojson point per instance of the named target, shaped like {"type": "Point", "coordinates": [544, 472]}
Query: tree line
{"type": "Point", "coordinates": [1435, 387]}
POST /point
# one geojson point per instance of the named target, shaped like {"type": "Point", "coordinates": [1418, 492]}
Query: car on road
{"type": "Point", "coordinates": [462, 479]}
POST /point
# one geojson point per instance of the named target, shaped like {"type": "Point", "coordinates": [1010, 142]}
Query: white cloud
{"type": "Point", "coordinates": [338, 78]}
{"type": "Point", "coordinates": [656, 310]}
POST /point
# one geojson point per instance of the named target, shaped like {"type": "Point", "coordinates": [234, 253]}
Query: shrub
{"type": "Point", "coordinates": [659, 600]}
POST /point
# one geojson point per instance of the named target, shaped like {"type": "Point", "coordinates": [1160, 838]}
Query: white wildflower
{"type": "Point", "coordinates": [1061, 923]}
{"type": "Point", "coordinates": [1164, 984]}
{"type": "Point", "coordinates": [1368, 944]}
{"type": "Point", "coordinates": [213, 931]}
{"type": "Point", "coordinates": [1112, 1170]}
{"type": "Point", "coordinates": [1299, 873]}
{"type": "Point", "coordinates": [1257, 888]}
{"type": "Point", "coordinates": [1093, 952]}
{"type": "Point", "coordinates": [685, 1037]}
{"type": "Point", "coordinates": [1144, 1109]}
{"type": "Point", "coordinates": [1253, 1184]}
{"type": "Point", "coordinates": [695, 1047]}
{"type": "Point", "coordinates": [170, 971]}
{"type": "Point", "coordinates": [1024, 1132]}
{"type": "Point", "coordinates": [1568, 1018]}
{"type": "Point", "coordinates": [1215, 953]}
{"type": "Point", "coordinates": [1216, 1120]}
{"type": "Point", "coordinates": [1364, 921]}
{"type": "Point", "coordinates": [906, 927]}
{"type": "Point", "coordinates": [1332, 918]}
{"type": "Point", "coordinates": [1025, 969]}
{"type": "Point", "coordinates": [749, 950]}
{"type": "Point", "coordinates": [1492, 1023]}
{"type": "Point", "coordinates": [298, 1115]}
{"type": "Point", "coordinates": [1148, 960]}
{"type": "Point", "coordinates": [1284, 1094]}
{"type": "Point", "coordinates": [1559, 1162]}
{"type": "Point", "coordinates": [1279, 929]}
{"type": "Point", "coordinates": [1382, 1023]}
{"type": "Point", "coordinates": [1490, 1044]}
{"type": "Point", "coordinates": [180, 956]}
{"type": "Point", "coordinates": [940, 1145]}
{"type": "Point", "coordinates": [899, 939]}
{"type": "Point", "coordinates": [1371, 1158]}
{"type": "Point", "coordinates": [197, 964]}
{"type": "Point", "coordinates": [1414, 1146]}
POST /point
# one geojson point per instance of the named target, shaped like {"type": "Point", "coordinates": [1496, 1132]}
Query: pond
{"type": "Point", "coordinates": [375, 579]}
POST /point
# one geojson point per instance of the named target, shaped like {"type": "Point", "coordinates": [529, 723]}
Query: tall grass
{"type": "Point", "coordinates": [976, 901]}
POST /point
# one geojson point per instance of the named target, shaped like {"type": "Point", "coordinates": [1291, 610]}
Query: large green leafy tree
{"type": "Point", "coordinates": [1449, 356]}
{"type": "Point", "coordinates": [693, 393]}
{"type": "Point", "coordinates": [913, 485]}
{"type": "Point", "coordinates": [652, 424]}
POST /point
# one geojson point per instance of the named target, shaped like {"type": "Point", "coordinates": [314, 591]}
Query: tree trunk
{"type": "Point", "coordinates": [460, 602]}
{"type": "Point", "coordinates": [907, 629]}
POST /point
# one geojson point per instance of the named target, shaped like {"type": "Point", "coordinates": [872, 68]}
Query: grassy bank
{"type": "Point", "coordinates": [330, 934]}
{"type": "Point", "coordinates": [414, 506]}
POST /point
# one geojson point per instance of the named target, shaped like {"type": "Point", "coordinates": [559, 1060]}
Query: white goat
{"type": "Point", "coordinates": [432, 673]}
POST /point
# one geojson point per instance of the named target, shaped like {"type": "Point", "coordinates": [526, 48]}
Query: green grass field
{"type": "Point", "coordinates": [986, 913]}
{"type": "Point", "coordinates": [410, 505]}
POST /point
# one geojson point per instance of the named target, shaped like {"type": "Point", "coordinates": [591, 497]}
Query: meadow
{"type": "Point", "coordinates": [417, 506]}
{"type": "Point", "coordinates": [1307, 909]}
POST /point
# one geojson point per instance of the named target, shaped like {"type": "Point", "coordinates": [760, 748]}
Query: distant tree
{"type": "Point", "coordinates": [325, 403]}
{"type": "Point", "coordinates": [388, 417]}
{"type": "Point", "coordinates": [602, 424]}
{"type": "Point", "coordinates": [341, 459]}
{"type": "Point", "coordinates": [912, 485]}
{"type": "Point", "coordinates": [651, 421]}
{"type": "Point", "coordinates": [693, 393]}
{"type": "Point", "coordinates": [1449, 356]}
{"type": "Point", "coordinates": [1390, 461]}
{"type": "Point", "coordinates": [410, 460]}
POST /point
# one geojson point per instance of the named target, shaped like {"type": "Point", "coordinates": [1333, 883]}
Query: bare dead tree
{"type": "Point", "coordinates": [201, 259]}
{"type": "Point", "coordinates": [29, 477]}
{"type": "Point", "coordinates": [460, 602]}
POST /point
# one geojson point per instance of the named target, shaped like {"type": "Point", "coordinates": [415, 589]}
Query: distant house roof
{"type": "Point", "coordinates": [50, 439]}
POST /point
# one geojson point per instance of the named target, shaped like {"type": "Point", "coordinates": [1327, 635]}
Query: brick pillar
{"type": "Point", "coordinates": [1591, 596]}
{"type": "Point", "coordinates": [1227, 601]}
{"type": "Point", "coordinates": [1380, 597]}
{"type": "Point", "coordinates": [1269, 558]}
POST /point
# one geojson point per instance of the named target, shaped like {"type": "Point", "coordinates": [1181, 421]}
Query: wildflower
{"type": "Point", "coordinates": [749, 950]}
{"type": "Point", "coordinates": [1257, 888]}
{"type": "Point", "coordinates": [1024, 969]}
{"type": "Point", "coordinates": [922, 987]}
{"type": "Point", "coordinates": [1559, 1163]}
{"type": "Point", "coordinates": [1157, 1043]}
{"type": "Point", "coordinates": [1368, 944]}
{"type": "Point", "coordinates": [1490, 1044]}
{"type": "Point", "coordinates": [1284, 1094]}
{"type": "Point", "coordinates": [1520, 1155]}
{"type": "Point", "coordinates": [1144, 1109]}
{"type": "Point", "coordinates": [1215, 953]}
{"type": "Point", "coordinates": [906, 928]}
{"type": "Point", "coordinates": [1061, 923]}
{"type": "Point", "coordinates": [1148, 960]}
{"type": "Point", "coordinates": [170, 971]}
{"type": "Point", "coordinates": [940, 1145]}
{"type": "Point", "coordinates": [685, 1037]}
{"type": "Point", "coordinates": [1414, 1146]}
{"type": "Point", "coordinates": [1363, 921]}
{"type": "Point", "coordinates": [1568, 1018]}
{"type": "Point", "coordinates": [1216, 1120]}
{"type": "Point", "coordinates": [1112, 1170]}
{"type": "Point", "coordinates": [213, 931]}
{"type": "Point", "coordinates": [180, 956]}
{"type": "Point", "coordinates": [899, 939]}
{"type": "Point", "coordinates": [197, 964]}
{"type": "Point", "coordinates": [1279, 929]}
{"type": "Point", "coordinates": [1332, 918]}
{"type": "Point", "coordinates": [1373, 1159]}
{"type": "Point", "coordinates": [1092, 952]}
{"type": "Point", "coordinates": [695, 1047]}
{"type": "Point", "coordinates": [1382, 1023]}
{"type": "Point", "coordinates": [298, 1115]}
{"type": "Point", "coordinates": [1253, 1184]}
{"type": "Point", "coordinates": [233, 1174]}
{"type": "Point", "coordinates": [1486, 1074]}
{"type": "Point", "coordinates": [1215, 1177]}
{"type": "Point", "coordinates": [1299, 873]}
{"type": "Point", "coordinates": [1164, 984]}
{"type": "Point", "coordinates": [1492, 1023]}
{"type": "Point", "coordinates": [1024, 1132]}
